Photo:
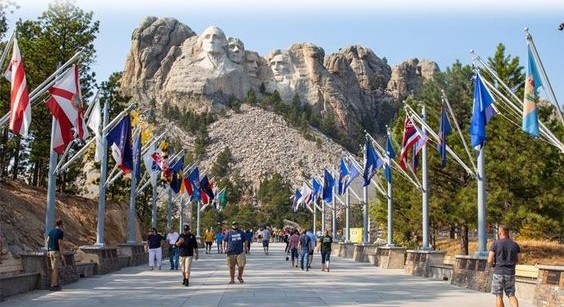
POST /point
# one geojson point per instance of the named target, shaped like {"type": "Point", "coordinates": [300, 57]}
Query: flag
{"type": "Point", "coordinates": [66, 106]}
{"type": "Point", "coordinates": [390, 154]}
{"type": "Point", "coordinates": [410, 137]}
{"type": "Point", "coordinates": [317, 190]}
{"type": "Point", "coordinates": [20, 108]}
{"type": "Point", "coordinates": [444, 130]}
{"type": "Point", "coordinates": [483, 112]}
{"type": "Point", "coordinates": [418, 146]}
{"type": "Point", "coordinates": [151, 164]}
{"type": "Point", "coordinates": [206, 188]}
{"type": "Point", "coordinates": [343, 176]}
{"type": "Point", "coordinates": [371, 162]}
{"type": "Point", "coordinates": [194, 178]}
{"type": "Point", "coordinates": [297, 200]}
{"type": "Point", "coordinates": [186, 187]}
{"type": "Point", "coordinates": [353, 173]}
{"type": "Point", "coordinates": [119, 139]}
{"type": "Point", "coordinates": [176, 176]}
{"type": "Point", "coordinates": [137, 156]}
{"type": "Point", "coordinates": [328, 184]}
{"type": "Point", "coordinates": [95, 124]}
{"type": "Point", "coordinates": [532, 83]}
{"type": "Point", "coordinates": [307, 195]}
{"type": "Point", "coordinates": [222, 199]}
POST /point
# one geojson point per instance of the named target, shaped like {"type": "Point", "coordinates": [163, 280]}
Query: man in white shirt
{"type": "Point", "coordinates": [265, 240]}
{"type": "Point", "coordinates": [171, 239]}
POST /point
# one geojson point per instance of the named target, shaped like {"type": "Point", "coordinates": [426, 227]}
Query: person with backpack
{"type": "Point", "coordinates": [304, 245]}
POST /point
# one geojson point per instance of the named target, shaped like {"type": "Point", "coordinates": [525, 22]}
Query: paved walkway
{"type": "Point", "coordinates": [269, 281]}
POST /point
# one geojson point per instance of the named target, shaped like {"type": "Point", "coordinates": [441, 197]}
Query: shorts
{"type": "Point", "coordinates": [325, 256]}
{"type": "Point", "coordinates": [55, 257]}
{"type": "Point", "coordinates": [209, 243]}
{"type": "Point", "coordinates": [185, 263]}
{"type": "Point", "coordinates": [503, 282]}
{"type": "Point", "coordinates": [310, 252]}
{"type": "Point", "coordinates": [240, 260]}
{"type": "Point", "coordinates": [265, 243]}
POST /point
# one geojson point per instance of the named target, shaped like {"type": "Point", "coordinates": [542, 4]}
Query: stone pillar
{"type": "Point", "coordinates": [388, 257]}
{"type": "Point", "coordinates": [550, 283]}
{"type": "Point", "coordinates": [40, 263]}
{"type": "Point", "coordinates": [105, 257]}
{"type": "Point", "coordinates": [135, 252]}
{"type": "Point", "coordinates": [418, 262]}
{"type": "Point", "coordinates": [361, 251]}
{"type": "Point", "coordinates": [472, 272]}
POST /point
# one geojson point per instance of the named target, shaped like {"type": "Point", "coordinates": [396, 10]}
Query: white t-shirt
{"type": "Point", "coordinates": [172, 237]}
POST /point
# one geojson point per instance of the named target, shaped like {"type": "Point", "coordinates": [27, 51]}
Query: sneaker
{"type": "Point", "coordinates": [184, 281]}
{"type": "Point", "coordinates": [159, 268]}
{"type": "Point", "coordinates": [172, 269]}
{"type": "Point", "coordinates": [327, 269]}
{"type": "Point", "coordinates": [187, 283]}
{"type": "Point", "coordinates": [55, 288]}
{"type": "Point", "coordinates": [322, 270]}
{"type": "Point", "coordinates": [151, 268]}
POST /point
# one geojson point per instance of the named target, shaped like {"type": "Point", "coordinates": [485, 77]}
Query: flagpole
{"type": "Point", "coordinates": [169, 208]}
{"type": "Point", "coordinates": [103, 174]}
{"type": "Point", "coordinates": [314, 217]}
{"type": "Point", "coordinates": [323, 226]}
{"type": "Point", "coordinates": [365, 214]}
{"type": "Point", "coordinates": [390, 200]}
{"type": "Point", "coordinates": [181, 215]}
{"type": "Point", "coordinates": [198, 220]}
{"type": "Point", "coordinates": [347, 218]}
{"type": "Point", "coordinates": [52, 184]}
{"type": "Point", "coordinates": [425, 189]}
{"type": "Point", "coordinates": [132, 193]}
{"type": "Point", "coordinates": [154, 206]}
{"type": "Point", "coordinates": [482, 240]}
{"type": "Point", "coordinates": [334, 213]}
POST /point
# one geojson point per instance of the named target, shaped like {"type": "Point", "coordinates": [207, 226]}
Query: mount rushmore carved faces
{"type": "Point", "coordinates": [236, 49]}
{"type": "Point", "coordinates": [280, 66]}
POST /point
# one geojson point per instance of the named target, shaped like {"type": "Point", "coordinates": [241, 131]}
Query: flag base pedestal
{"type": "Point", "coordinates": [418, 262]}
{"type": "Point", "coordinates": [390, 257]}
{"type": "Point", "coordinates": [135, 252]}
{"type": "Point", "coordinates": [105, 257]}
{"type": "Point", "coordinates": [361, 251]}
{"type": "Point", "coordinates": [472, 272]}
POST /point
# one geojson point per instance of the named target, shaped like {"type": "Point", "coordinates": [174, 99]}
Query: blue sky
{"type": "Point", "coordinates": [435, 29]}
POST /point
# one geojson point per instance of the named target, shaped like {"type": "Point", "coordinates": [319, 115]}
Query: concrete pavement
{"type": "Point", "coordinates": [269, 281]}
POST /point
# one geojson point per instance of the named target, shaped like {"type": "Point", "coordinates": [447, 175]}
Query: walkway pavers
{"type": "Point", "coordinates": [269, 281]}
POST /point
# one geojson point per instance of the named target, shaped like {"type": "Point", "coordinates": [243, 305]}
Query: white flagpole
{"type": "Point", "coordinates": [425, 189]}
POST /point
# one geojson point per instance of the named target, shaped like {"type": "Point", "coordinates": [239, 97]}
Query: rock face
{"type": "Point", "coordinates": [407, 76]}
{"type": "Point", "coordinates": [169, 62]}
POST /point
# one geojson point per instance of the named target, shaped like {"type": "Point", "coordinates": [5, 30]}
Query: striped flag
{"type": "Point", "coordinates": [530, 113]}
{"type": "Point", "coordinates": [410, 137]}
{"type": "Point", "coordinates": [20, 108]}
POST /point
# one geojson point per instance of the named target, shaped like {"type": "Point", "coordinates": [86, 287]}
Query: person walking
{"type": "Point", "coordinates": [188, 249]}
{"type": "Point", "coordinates": [154, 240]}
{"type": "Point", "coordinates": [325, 244]}
{"type": "Point", "coordinates": [234, 247]}
{"type": "Point", "coordinates": [265, 240]}
{"type": "Point", "coordinates": [313, 243]}
{"type": "Point", "coordinates": [218, 239]}
{"type": "Point", "coordinates": [171, 238]}
{"type": "Point", "coordinates": [248, 240]}
{"type": "Point", "coordinates": [503, 256]}
{"type": "Point", "coordinates": [304, 244]}
{"type": "Point", "coordinates": [208, 238]}
{"type": "Point", "coordinates": [294, 240]}
{"type": "Point", "coordinates": [54, 244]}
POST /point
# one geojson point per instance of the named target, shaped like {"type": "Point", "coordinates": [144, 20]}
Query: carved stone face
{"type": "Point", "coordinates": [236, 50]}
{"type": "Point", "coordinates": [213, 40]}
{"type": "Point", "coordinates": [280, 66]}
{"type": "Point", "coordinates": [251, 64]}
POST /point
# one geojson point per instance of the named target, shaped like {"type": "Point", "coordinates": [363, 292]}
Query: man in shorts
{"type": "Point", "coordinates": [503, 256]}
{"type": "Point", "coordinates": [265, 240]}
{"type": "Point", "coordinates": [234, 247]}
{"type": "Point", "coordinates": [188, 246]}
{"type": "Point", "coordinates": [54, 244]}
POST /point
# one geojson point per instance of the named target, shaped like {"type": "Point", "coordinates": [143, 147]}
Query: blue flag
{"type": "Point", "coordinates": [176, 169]}
{"type": "Point", "coordinates": [119, 139]}
{"type": "Point", "coordinates": [194, 178]}
{"type": "Point", "coordinates": [483, 112]}
{"type": "Point", "coordinates": [353, 173]}
{"type": "Point", "coordinates": [530, 112]}
{"type": "Point", "coordinates": [444, 130]}
{"type": "Point", "coordinates": [371, 162]}
{"type": "Point", "coordinates": [343, 176]}
{"type": "Point", "coordinates": [137, 157]}
{"type": "Point", "coordinates": [328, 184]}
{"type": "Point", "coordinates": [296, 202]}
{"type": "Point", "coordinates": [391, 154]}
{"type": "Point", "coordinates": [317, 189]}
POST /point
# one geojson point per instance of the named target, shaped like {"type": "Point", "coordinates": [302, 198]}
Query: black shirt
{"type": "Point", "coordinates": [505, 256]}
{"type": "Point", "coordinates": [326, 243]}
{"type": "Point", "coordinates": [154, 240]}
{"type": "Point", "coordinates": [187, 247]}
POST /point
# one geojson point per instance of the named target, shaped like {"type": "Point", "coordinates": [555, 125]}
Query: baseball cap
{"type": "Point", "coordinates": [234, 223]}
{"type": "Point", "coordinates": [186, 227]}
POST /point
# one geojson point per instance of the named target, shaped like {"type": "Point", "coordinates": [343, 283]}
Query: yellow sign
{"type": "Point", "coordinates": [356, 235]}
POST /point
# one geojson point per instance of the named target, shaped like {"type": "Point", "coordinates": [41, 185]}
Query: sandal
{"type": "Point", "coordinates": [231, 282]}
{"type": "Point", "coordinates": [241, 280]}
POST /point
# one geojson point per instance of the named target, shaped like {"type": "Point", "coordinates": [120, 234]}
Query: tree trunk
{"type": "Point", "coordinates": [16, 158]}
{"type": "Point", "coordinates": [452, 232]}
{"type": "Point", "coordinates": [35, 178]}
{"type": "Point", "coordinates": [464, 238]}
{"type": "Point", "coordinates": [4, 145]}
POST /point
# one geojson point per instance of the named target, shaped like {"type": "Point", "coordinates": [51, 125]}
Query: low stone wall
{"type": "Point", "coordinates": [86, 269]}
{"type": "Point", "coordinates": [16, 284]}
{"type": "Point", "coordinates": [472, 272]}
{"type": "Point", "coordinates": [105, 257]}
{"type": "Point", "coordinates": [418, 262]}
{"type": "Point", "coordinates": [135, 252]}
{"type": "Point", "coordinates": [441, 271]}
{"type": "Point", "coordinates": [40, 263]}
{"type": "Point", "coordinates": [390, 257]}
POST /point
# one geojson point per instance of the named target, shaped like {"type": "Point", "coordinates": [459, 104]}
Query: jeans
{"type": "Point", "coordinates": [325, 256]}
{"type": "Point", "coordinates": [304, 257]}
{"type": "Point", "coordinates": [173, 256]}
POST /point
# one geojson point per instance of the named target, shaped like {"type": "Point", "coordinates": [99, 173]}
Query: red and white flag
{"type": "Point", "coordinates": [20, 108]}
{"type": "Point", "coordinates": [66, 106]}
{"type": "Point", "coordinates": [410, 137]}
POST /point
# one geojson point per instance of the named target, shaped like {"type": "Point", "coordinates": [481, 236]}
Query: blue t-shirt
{"type": "Point", "coordinates": [154, 240]}
{"type": "Point", "coordinates": [54, 236]}
{"type": "Point", "coordinates": [506, 251]}
{"type": "Point", "coordinates": [219, 238]}
{"type": "Point", "coordinates": [234, 239]}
